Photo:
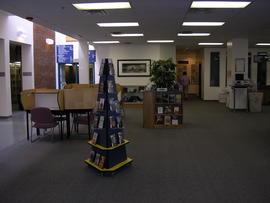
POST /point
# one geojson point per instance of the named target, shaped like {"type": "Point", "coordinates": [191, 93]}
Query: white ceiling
{"type": "Point", "coordinates": [159, 19]}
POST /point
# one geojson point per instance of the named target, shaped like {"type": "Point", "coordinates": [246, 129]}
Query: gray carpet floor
{"type": "Point", "coordinates": [219, 156]}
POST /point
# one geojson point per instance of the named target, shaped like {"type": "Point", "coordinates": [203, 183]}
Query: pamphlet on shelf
{"type": "Point", "coordinates": [159, 120]}
{"type": "Point", "coordinates": [101, 87]}
{"type": "Point", "coordinates": [101, 122]}
{"type": "Point", "coordinates": [110, 86]}
{"type": "Point", "coordinates": [120, 137]}
{"type": "Point", "coordinates": [92, 156]}
{"type": "Point", "coordinates": [119, 121]}
{"type": "Point", "coordinates": [102, 162]}
{"type": "Point", "coordinates": [176, 109]}
{"type": "Point", "coordinates": [167, 109]}
{"type": "Point", "coordinates": [167, 120]}
{"type": "Point", "coordinates": [178, 98]}
{"type": "Point", "coordinates": [97, 158]}
{"type": "Point", "coordinates": [171, 98]}
{"type": "Point", "coordinates": [175, 120]}
{"type": "Point", "coordinates": [112, 122]}
{"type": "Point", "coordinates": [94, 139]}
{"type": "Point", "coordinates": [101, 103]}
{"type": "Point", "coordinates": [95, 121]}
{"type": "Point", "coordinates": [111, 69]}
{"type": "Point", "coordinates": [113, 140]}
{"type": "Point", "coordinates": [160, 109]}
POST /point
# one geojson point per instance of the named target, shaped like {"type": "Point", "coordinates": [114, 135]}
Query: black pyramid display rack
{"type": "Point", "coordinates": [108, 152]}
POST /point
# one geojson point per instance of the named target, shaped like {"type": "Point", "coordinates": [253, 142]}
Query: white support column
{"type": "Point", "coordinates": [236, 49]}
{"type": "Point", "coordinates": [27, 67]}
{"type": "Point", "coordinates": [5, 91]}
{"type": "Point", "coordinates": [83, 62]}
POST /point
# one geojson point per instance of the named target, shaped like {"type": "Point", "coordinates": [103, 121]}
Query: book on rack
{"type": "Point", "coordinates": [110, 86]}
{"type": "Point", "coordinates": [92, 156]}
{"type": "Point", "coordinates": [101, 70]}
{"type": "Point", "coordinates": [101, 122]}
{"type": "Point", "coordinates": [113, 140]}
{"type": "Point", "coordinates": [102, 162]}
{"type": "Point", "coordinates": [167, 109]}
{"type": "Point", "coordinates": [119, 122]}
{"type": "Point", "coordinates": [112, 122]}
{"type": "Point", "coordinates": [120, 137]}
{"type": "Point", "coordinates": [101, 104]}
{"type": "Point", "coordinates": [101, 87]}
{"type": "Point", "coordinates": [111, 69]}
{"type": "Point", "coordinates": [94, 139]}
{"type": "Point", "coordinates": [165, 98]}
{"type": "Point", "coordinates": [176, 109]}
{"type": "Point", "coordinates": [167, 120]}
{"type": "Point", "coordinates": [96, 122]}
{"type": "Point", "coordinates": [160, 109]}
{"type": "Point", "coordinates": [112, 105]}
{"type": "Point", "coordinates": [159, 98]}
{"type": "Point", "coordinates": [171, 98]}
{"type": "Point", "coordinates": [97, 158]}
{"type": "Point", "coordinates": [159, 120]}
{"type": "Point", "coordinates": [178, 98]}
{"type": "Point", "coordinates": [175, 120]}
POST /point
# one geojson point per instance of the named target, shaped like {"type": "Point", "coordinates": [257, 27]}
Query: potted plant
{"type": "Point", "coordinates": [163, 73]}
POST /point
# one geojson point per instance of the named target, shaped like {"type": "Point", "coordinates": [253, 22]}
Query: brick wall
{"type": "Point", "coordinates": [44, 58]}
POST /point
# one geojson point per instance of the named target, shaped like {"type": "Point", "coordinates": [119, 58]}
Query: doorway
{"type": "Point", "coordinates": [68, 74]}
{"type": "Point", "coordinates": [15, 75]}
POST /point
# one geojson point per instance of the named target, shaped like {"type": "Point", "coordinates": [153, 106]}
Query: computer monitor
{"type": "Point", "coordinates": [239, 76]}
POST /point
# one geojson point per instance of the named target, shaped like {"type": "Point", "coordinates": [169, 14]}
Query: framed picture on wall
{"type": "Point", "coordinates": [240, 65]}
{"type": "Point", "coordinates": [134, 67]}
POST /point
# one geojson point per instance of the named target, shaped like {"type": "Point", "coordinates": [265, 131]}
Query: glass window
{"type": "Point", "coordinates": [214, 69]}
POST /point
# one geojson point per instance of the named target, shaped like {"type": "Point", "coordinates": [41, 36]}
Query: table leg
{"type": "Point", "coordinates": [27, 125]}
{"type": "Point", "coordinates": [89, 126]}
{"type": "Point", "coordinates": [68, 124]}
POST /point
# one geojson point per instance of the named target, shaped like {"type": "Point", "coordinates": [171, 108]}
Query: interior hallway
{"type": "Point", "coordinates": [219, 156]}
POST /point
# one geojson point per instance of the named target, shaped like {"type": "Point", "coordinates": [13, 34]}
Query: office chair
{"type": "Point", "coordinates": [42, 118]}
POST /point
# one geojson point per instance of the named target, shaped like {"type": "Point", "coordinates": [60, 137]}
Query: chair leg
{"type": "Point", "coordinates": [31, 136]}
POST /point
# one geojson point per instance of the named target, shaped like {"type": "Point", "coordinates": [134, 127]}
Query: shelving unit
{"type": "Point", "coordinates": [163, 110]}
{"type": "Point", "coordinates": [108, 152]}
{"type": "Point", "coordinates": [133, 95]}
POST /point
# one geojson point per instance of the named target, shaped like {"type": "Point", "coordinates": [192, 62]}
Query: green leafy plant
{"type": "Point", "coordinates": [163, 73]}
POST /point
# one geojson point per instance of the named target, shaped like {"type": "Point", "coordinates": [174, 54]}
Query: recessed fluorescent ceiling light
{"type": "Point", "coordinates": [203, 23]}
{"type": "Point", "coordinates": [193, 34]}
{"type": "Point", "coordinates": [130, 24]}
{"type": "Point", "coordinates": [211, 43]}
{"type": "Point", "coordinates": [128, 35]}
{"type": "Point", "coordinates": [160, 41]}
{"type": "Point", "coordinates": [263, 44]}
{"type": "Point", "coordinates": [104, 5]}
{"type": "Point", "coordinates": [106, 42]}
{"type": "Point", "coordinates": [220, 4]}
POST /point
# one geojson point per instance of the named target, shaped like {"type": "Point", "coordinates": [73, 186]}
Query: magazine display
{"type": "Point", "coordinates": [108, 143]}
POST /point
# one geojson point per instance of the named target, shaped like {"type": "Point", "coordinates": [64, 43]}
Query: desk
{"type": "Point", "coordinates": [67, 113]}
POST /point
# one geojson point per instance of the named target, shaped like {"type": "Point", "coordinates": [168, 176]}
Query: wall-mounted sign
{"type": "Point", "coordinates": [92, 56]}
{"type": "Point", "coordinates": [64, 53]}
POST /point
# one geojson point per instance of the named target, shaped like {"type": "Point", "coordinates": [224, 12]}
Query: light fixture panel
{"type": "Point", "coordinates": [120, 24]}
{"type": "Point", "coordinates": [102, 5]}
{"type": "Point", "coordinates": [220, 4]}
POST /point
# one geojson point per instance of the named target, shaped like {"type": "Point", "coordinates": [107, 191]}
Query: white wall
{"type": "Point", "coordinates": [19, 30]}
{"type": "Point", "coordinates": [211, 93]}
{"type": "Point", "coordinates": [116, 52]}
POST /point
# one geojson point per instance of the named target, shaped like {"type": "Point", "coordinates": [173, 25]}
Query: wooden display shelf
{"type": "Point", "coordinates": [132, 104]}
{"type": "Point", "coordinates": [108, 148]}
{"type": "Point", "coordinates": [169, 114]}
{"type": "Point", "coordinates": [168, 126]}
{"type": "Point", "coordinates": [171, 104]}
{"type": "Point", "coordinates": [114, 168]}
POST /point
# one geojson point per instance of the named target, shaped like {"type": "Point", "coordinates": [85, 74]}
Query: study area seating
{"type": "Point", "coordinates": [42, 118]}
